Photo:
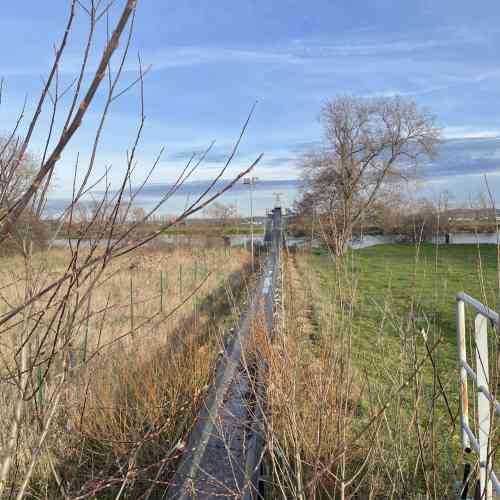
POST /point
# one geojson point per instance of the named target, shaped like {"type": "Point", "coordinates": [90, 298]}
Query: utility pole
{"type": "Point", "coordinates": [251, 181]}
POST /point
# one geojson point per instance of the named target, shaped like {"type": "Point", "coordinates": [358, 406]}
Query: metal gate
{"type": "Point", "coordinates": [487, 405]}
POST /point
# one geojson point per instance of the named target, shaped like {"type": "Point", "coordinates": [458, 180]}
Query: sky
{"type": "Point", "coordinates": [212, 61]}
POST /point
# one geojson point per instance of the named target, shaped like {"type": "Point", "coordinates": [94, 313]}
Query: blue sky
{"type": "Point", "coordinates": [212, 60]}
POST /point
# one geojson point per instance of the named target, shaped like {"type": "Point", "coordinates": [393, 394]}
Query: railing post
{"type": "Point", "coordinates": [462, 358]}
{"type": "Point", "coordinates": [479, 374]}
{"type": "Point", "coordinates": [483, 405]}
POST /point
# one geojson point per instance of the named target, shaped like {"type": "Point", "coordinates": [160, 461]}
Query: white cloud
{"type": "Point", "coordinates": [193, 55]}
{"type": "Point", "coordinates": [298, 52]}
{"type": "Point", "coordinates": [464, 132]}
{"type": "Point", "coordinates": [400, 92]}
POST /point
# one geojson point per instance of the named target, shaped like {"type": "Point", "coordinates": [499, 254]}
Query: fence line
{"type": "Point", "coordinates": [486, 402]}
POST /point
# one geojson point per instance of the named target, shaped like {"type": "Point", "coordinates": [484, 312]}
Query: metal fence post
{"type": "Point", "coordinates": [86, 337]}
{"type": "Point", "coordinates": [486, 402]}
{"type": "Point", "coordinates": [40, 382]}
{"type": "Point", "coordinates": [483, 404]}
{"type": "Point", "coordinates": [462, 357]}
{"type": "Point", "coordinates": [180, 280]}
{"type": "Point", "coordinates": [161, 291]}
{"type": "Point", "coordinates": [131, 305]}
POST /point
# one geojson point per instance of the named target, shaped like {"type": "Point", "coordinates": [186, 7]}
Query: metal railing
{"type": "Point", "coordinates": [486, 402]}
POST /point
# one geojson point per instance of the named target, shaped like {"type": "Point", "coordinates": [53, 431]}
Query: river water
{"type": "Point", "coordinates": [465, 238]}
{"type": "Point", "coordinates": [179, 239]}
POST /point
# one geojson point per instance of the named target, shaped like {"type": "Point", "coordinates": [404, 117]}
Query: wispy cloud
{"type": "Point", "coordinates": [408, 93]}
{"type": "Point", "coordinates": [302, 147]}
{"type": "Point", "coordinates": [281, 161]}
{"type": "Point", "coordinates": [197, 55]}
{"type": "Point", "coordinates": [465, 156]}
{"type": "Point", "coordinates": [464, 132]}
{"type": "Point", "coordinates": [211, 157]}
{"type": "Point", "coordinates": [305, 53]}
{"type": "Point", "coordinates": [416, 64]}
{"type": "Point", "coordinates": [158, 189]}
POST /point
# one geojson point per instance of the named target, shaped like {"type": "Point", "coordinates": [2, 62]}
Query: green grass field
{"type": "Point", "coordinates": [389, 301]}
{"type": "Point", "coordinates": [393, 281]}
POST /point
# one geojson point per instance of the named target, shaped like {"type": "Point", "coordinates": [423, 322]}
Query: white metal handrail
{"type": "Point", "coordinates": [486, 402]}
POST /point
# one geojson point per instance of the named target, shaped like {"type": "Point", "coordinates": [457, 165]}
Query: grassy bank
{"type": "Point", "coordinates": [195, 230]}
{"type": "Point", "coordinates": [363, 370]}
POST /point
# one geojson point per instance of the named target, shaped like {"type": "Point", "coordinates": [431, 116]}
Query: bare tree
{"type": "Point", "coordinates": [386, 211]}
{"type": "Point", "coordinates": [421, 220]}
{"type": "Point", "coordinates": [17, 169]}
{"type": "Point", "coordinates": [221, 213]}
{"type": "Point", "coordinates": [368, 143]}
{"type": "Point", "coordinates": [138, 214]}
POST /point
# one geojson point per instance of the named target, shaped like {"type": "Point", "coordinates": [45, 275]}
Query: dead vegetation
{"type": "Point", "coordinates": [139, 364]}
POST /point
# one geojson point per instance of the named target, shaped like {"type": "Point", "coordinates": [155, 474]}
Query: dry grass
{"type": "Point", "coordinates": [309, 409]}
{"type": "Point", "coordinates": [140, 366]}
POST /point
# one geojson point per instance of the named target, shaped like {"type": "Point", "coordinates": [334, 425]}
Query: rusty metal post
{"type": "Point", "coordinates": [462, 358]}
